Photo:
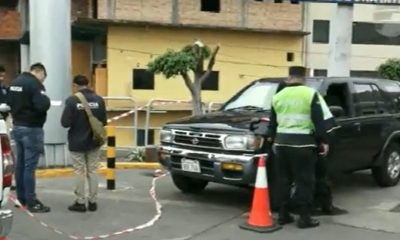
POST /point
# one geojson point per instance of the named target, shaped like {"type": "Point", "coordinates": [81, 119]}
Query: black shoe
{"type": "Point", "coordinates": [77, 207]}
{"type": "Point", "coordinates": [307, 223]}
{"type": "Point", "coordinates": [38, 207]}
{"type": "Point", "coordinates": [23, 203]}
{"type": "Point", "coordinates": [286, 219]}
{"type": "Point", "coordinates": [333, 211]}
{"type": "Point", "coordinates": [92, 206]}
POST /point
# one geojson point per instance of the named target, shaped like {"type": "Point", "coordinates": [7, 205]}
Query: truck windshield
{"type": "Point", "coordinates": [257, 97]}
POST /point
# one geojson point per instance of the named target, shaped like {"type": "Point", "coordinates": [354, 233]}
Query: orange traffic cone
{"type": "Point", "coordinates": [260, 219]}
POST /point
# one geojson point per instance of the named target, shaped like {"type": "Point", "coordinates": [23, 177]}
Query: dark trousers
{"type": "Point", "coordinates": [30, 145]}
{"type": "Point", "coordinates": [297, 165]}
{"type": "Point", "coordinates": [323, 193]}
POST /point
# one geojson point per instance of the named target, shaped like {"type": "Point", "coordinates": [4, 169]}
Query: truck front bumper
{"type": "Point", "coordinates": [211, 165]}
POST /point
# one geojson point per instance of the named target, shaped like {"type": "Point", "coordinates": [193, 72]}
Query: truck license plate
{"type": "Point", "coordinates": [190, 165]}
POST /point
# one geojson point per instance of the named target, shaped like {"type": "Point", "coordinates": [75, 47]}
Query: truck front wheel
{"type": "Point", "coordinates": [187, 184]}
{"type": "Point", "coordinates": [388, 174]}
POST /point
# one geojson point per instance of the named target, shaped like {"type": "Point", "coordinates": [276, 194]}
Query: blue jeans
{"type": "Point", "coordinates": [30, 145]}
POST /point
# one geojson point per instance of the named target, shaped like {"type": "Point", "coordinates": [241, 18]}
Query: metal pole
{"type": "Point", "coordinates": [147, 123]}
{"type": "Point", "coordinates": [50, 44]}
{"type": "Point", "coordinates": [340, 41]}
{"type": "Point", "coordinates": [24, 48]}
{"type": "Point", "coordinates": [24, 55]}
{"type": "Point", "coordinates": [135, 123]}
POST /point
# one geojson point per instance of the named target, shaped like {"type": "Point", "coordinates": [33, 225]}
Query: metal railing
{"type": "Point", "coordinates": [149, 106]}
{"type": "Point", "coordinates": [135, 115]}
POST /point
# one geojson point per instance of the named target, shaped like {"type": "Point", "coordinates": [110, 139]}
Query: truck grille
{"type": "Point", "coordinates": [197, 139]}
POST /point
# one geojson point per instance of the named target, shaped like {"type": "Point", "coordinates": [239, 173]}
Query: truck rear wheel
{"type": "Point", "coordinates": [388, 174]}
{"type": "Point", "coordinates": [187, 184]}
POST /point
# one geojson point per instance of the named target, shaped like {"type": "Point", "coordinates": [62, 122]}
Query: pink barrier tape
{"type": "Point", "coordinates": [56, 230]}
{"type": "Point", "coordinates": [126, 114]}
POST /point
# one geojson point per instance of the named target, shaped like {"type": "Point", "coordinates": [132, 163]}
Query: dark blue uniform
{"type": "Point", "coordinates": [29, 104]}
{"type": "Point", "coordinates": [80, 135]}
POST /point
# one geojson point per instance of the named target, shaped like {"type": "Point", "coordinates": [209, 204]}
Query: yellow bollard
{"type": "Point", "coordinates": [110, 157]}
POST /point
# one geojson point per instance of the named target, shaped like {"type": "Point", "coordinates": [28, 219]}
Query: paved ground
{"type": "Point", "coordinates": [212, 215]}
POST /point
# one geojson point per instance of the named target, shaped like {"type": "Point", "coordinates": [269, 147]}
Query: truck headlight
{"type": "Point", "coordinates": [166, 136]}
{"type": "Point", "coordinates": [243, 142]}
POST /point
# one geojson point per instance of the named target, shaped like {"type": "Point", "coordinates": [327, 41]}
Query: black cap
{"type": "Point", "coordinates": [297, 71]}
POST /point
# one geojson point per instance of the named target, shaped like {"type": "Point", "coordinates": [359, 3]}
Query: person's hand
{"type": "Point", "coordinates": [324, 149]}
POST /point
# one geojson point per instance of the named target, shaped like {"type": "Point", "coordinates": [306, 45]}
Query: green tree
{"type": "Point", "coordinates": [390, 69]}
{"type": "Point", "coordinates": [181, 63]}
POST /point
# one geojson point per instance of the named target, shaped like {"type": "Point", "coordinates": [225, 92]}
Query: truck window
{"type": "Point", "coordinates": [337, 94]}
{"type": "Point", "coordinates": [383, 105]}
{"type": "Point", "coordinates": [365, 99]}
{"type": "Point", "coordinates": [258, 95]}
{"type": "Point", "coordinates": [392, 90]}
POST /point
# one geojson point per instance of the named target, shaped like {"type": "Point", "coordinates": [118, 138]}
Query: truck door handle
{"type": "Point", "coordinates": [357, 125]}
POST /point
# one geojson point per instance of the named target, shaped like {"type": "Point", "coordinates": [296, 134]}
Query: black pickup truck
{"type": "Point", "coordinates": [219, 147]}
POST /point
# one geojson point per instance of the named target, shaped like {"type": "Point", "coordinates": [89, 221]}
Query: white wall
{"type": "Point", "coordinates": [364, 57]}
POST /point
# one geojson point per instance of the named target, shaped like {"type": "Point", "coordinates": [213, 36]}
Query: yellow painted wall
{"type": "Point", "coordinates": [129, 48]}
{"type": "Point", "coordinates": [243, 57]}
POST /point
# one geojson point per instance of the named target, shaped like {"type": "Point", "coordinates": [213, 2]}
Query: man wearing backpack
{"type": "Point", "coordinates": [85, 116]}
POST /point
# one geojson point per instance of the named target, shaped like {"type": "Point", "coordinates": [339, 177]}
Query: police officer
{"type": "Point", "coordinates": [29, 105]}
{"type": "Point", "coordinates": [85, 152]}
{"type": "Point", "coordinates": [323, 194]}
{"type": "Point", "coordinates": [297, 129]}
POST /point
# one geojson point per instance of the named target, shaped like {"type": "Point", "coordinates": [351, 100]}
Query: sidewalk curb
{"type": "Point", "coordinates": [137, 165]}
{"type": "Point", "coordinates": [66, 172]}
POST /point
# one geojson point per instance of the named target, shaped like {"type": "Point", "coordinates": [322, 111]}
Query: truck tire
{"type": "Point", "coordinates": [188, 185]}
{"type": "Point", "coordinates": [388, 174]}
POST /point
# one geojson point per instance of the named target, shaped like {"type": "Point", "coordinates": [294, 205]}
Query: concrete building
{"type": "Point", "coordinates": [376, 37]}
{"type": "Point", "coordinates": [10, 32]}
{"type": "Point", "coordinates": [257, 38]}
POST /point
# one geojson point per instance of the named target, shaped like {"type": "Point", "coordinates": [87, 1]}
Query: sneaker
{"type": "Point", "coordinates": [92, 207]}
{"type": "Point", "coordinates": [307, 223]}
{"type": "Point", "coordinates": [286, 219]}
{"type": "Point", "coordinates": [23, 203]}
{"type": "Point", "coordinates": [332, 211]}
{"type": "Point", "coordinates": [18, 206]}
{"type": "Point", "coordinates": [38, 207]}
{"type": "Point", "coordinates": [77, 207]}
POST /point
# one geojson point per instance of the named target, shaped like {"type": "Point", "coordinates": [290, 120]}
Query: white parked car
{"type": "Point", "coordinates": [7, 171]}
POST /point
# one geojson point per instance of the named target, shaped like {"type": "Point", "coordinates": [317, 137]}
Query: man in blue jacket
{"type": "Point", "coordinates": [29, 105]}
{"type": "Point", "coordinates": [85, 152]}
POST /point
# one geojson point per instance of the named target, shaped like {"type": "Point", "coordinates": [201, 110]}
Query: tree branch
{"type": "Point", "coordinates": [210, 66]}
{"type": "Point", "coordinates": [188, 83]}
{"type": "Point", "coordinates": [212, 60]}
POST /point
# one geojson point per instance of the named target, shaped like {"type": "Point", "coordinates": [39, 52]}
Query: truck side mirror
{"type": "Point", "coordinates": [254, 121]}
{"type": "Point", "coordinates": [337, 111]}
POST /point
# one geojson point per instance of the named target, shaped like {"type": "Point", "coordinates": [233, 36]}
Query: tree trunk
{"type": "Point", "coordinates": [196, 100]}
